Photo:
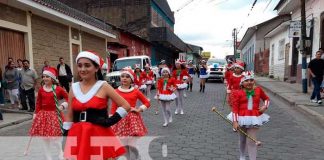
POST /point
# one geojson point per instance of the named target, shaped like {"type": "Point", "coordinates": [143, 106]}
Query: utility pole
{"type": "Point", "coordinates": [234, 34]}
{"type": "Point", "coordinates": [302, 45]}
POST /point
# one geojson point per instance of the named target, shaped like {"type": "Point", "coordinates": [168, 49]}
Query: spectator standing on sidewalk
{"type": "Point", "coordinates": [316, 69]}
{"type": "Point", "coordinates": [28, 83]}
{"type": "Point", "coordinates": [46, 66]}
{"type": "Point", "coordinates": [65, 74]}
{"type": "Point", "coordinates": [11, 79]}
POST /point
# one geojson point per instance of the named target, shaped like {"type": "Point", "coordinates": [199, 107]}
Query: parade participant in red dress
{"type": "Point", "coordinates": [228, 73]}
{"type": "Point", "coordinates": [235, 79]}
{"type": "Point", "coordinates": [166, 86]}
{"type": "Point", "coordinates": [178, 73]}
{"type": "Point", "coordinates": [149, 80]}
{"type": "Point", "coordinates": [139, 78]}
{"type": "Point", "coordinates": [48, 115]}
{"type": "Point", "coordinates": [132, 125]}
{"type": "Point", "coordinates": [89, 133]}
{"type": "Point", "coordinates": [247, 113]}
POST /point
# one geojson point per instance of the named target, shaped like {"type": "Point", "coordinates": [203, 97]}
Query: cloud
{"type": "Point", "coordinates": [209, 23]}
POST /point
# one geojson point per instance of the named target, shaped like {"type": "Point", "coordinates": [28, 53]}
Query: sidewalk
{"type": "Point", "coordinates": [292, 94]}
{"type": "Point", "coordinates": [13, 116]}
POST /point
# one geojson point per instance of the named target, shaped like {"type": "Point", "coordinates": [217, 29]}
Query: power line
{"type": "Point", "coordinates": [255, 1]}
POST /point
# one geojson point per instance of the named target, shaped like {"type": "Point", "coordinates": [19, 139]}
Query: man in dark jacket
{"type": "Point", "coordinates": [316, 68]}
{"type": "Point", "coordinates": [65, 74]}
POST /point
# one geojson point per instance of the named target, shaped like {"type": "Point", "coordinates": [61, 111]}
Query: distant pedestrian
{"type": "Point", "coordinates": [12, 84]}
{"type": "Point", "coordinates": [28, 83]}
{"type": "Point", "coordinates": [19, 65]}
{"type": "Point", "coordinates": [316, 69]}
{"type": "Point", "coordinates": [46, 65]}
{"type": "Point", "coordinates": [248, 115]}
{"type": "Point", "coordinates": [203, 75]}
{"type": "Point", "coordinates": [65, 74]}
{"type": "Point", "coordinates": [48, 114]}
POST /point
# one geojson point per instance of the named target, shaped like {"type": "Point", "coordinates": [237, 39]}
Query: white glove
{"type": "Point", "coordinates": [34, 116]}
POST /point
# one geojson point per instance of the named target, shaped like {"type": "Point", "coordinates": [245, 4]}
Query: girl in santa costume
{"type": "Point", "coordinates": [247, 113]}
{"type": "Point", "coordinates": [178, 73]}
{"type": "Point", "coordinates": [203, 75]}
{"type": "Point", "coordinates": [235, 79]}
{"type": "Point", "coordinates": [87, 120]}
{"type": "Point", "coordinates": [166, 86]}
{"type": "Point", "coordinates": [149, 80]}
{"type": "Point", "coordinates": [191, 71]}
{"type": "Point", "coordinates": [132, 125]}
{"type": "Point", "coordinates": [139, 78]}
{"type": "Point", "coordinates": [228, 73]}
{"type": "Point", "coordinates": [48, 116]}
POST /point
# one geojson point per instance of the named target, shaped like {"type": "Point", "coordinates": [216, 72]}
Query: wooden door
{"type": "Point", "coordinates": [75, 52]}
{"type": "Point", "coordinates": [12, 44]}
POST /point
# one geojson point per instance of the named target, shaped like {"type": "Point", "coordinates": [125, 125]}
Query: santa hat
{"type": "Point", "coordinates": [137, 66]}
{"type": "Point", "coordinates": [246, 76]}
{"type": "Point", "coordinates": [239, 65]}
{"type": "Point", "coordinates": [165, 69]}
{"type": "Point", "coordinates": [177, 61]}
{"type": "Point", "coordinates": [92, 56]}
{"type": "Point", "coordinates": [147, 65]}
{"type": "Point", "coordinates": [229, 66]}
{"type": "Point", "coordinates": [129, 71]}
{"type": "Point", "coordinates": [52, 72]}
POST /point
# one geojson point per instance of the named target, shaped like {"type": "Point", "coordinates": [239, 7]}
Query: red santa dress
{"type": "Point", "coordinates": [139, 79]}
{"type": "Point", "coordinates": [46, 122]}
{"type": "Point", "coordinates": [149, 77]}
{"type": "Point", "coordinates": [82, 135]}
{"type": "Point", "coordinates": [233, 84]}
{"type": "Point", "coordinates": [166, 88]}
{"type": "Point", "coordinates": [246, 110]}
{"type": "Point", "coordinates": [178, 75]}
{"type": "Point", "coordinates": [132, 124]}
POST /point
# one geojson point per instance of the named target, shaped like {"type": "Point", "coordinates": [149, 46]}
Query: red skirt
{"type": "Point", "coordinates": [87, 141]}
{"type": "Point", "coordinates": [131, 125]}
{"type": "Point", "coordinates": [46, 124]}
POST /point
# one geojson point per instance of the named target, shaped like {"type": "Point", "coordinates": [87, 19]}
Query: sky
{"type": "Point", "coordinates": [209, 23]}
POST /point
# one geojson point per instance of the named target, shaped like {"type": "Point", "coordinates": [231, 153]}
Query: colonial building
{"type": "Point", "coordinates": [40, 30]}
{"type": "Point", "coordinates": [151, 20]}
{"type": "Point", "coordinates": [255, 48]}
{"type": "Point", "coordinates": [315, 33]}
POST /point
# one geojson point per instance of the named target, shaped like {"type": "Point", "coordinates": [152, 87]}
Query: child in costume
{"type": "Point", "coordinates": [203, 75]}
{"type": "Point", "coordinates": [149, 80]}
{"type": "Point", "coordinates": [139, 78]}
{"type": "Point", "coordinates": [132, 125]}
{"type": "Point", "coordinates": [247, 113]}
{"type": "Point", "coordinates": [48, 117]}
{"type": "Point", "coordinates": [87, 121]}
{"type": "Point", "coordinates": [178, 73]}
{"type": "Point", "coordinates": [166, 86]}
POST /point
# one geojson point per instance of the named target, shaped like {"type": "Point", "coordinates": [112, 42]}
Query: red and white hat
{"type": "Point", "coordinates": [165, 69]}
{"type": "Point", "coordinates": [137, 66]}
{"type": "Point", "coordinates": [147, 65]}
{"type": "Point", "coordinates": [246, 76]}
{"type": "Point", "coordinates": [239, 64]}
{"type": "Point", "coordinates": [129, 71]}
{"type": "Point", "coordinates": [92, 56]}
{"type": "Point", "coordinates": [52, 72]}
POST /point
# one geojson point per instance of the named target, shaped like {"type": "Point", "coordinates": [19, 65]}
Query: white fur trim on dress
{"type": "Point", "coordinates": [142, 87]}
{"type": "Point", "coordinates": [83, 98]}
{"type": "Point", "coordinates": [121, 111]}
{"type": "Point", "coordinates": [165, 69]}
{"type": "Point", "coordinates": [67, 125]}
{"type": "Point", "coordinates": [125, 90]}
{"type": "Point", "coordinates": [65, 105]}
{"type": "Point", "coordinates": [143, 107]}
{"type": "Point", "coordinates": [250, 120]}
{"type": "Point", "coordinates": [149, 82]}
{"type": "Point", "coordinates": [203, 76]}
{"type": "Point", "coordinates": [185, 77]}
{"type": "Point", "coordinates": [89, 55]}
{"type": "Point", "coordinates": [182, 86]}
{"type": "Point", "coordinates": [167, 97]}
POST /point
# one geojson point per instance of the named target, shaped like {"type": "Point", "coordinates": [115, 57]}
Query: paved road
{"type": "Point", "coordinates": [201, 134]}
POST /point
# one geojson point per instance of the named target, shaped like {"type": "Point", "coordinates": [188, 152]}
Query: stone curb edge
{"type": "Point", "coordinates": [301, 108]}
{"type": "Point", "coordinates": [15, 122]}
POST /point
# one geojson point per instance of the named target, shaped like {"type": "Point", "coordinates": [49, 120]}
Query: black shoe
{"type": "Point", "coordinates": [31, 110]}
{"type": "Point", "coordinates": [23, 109]}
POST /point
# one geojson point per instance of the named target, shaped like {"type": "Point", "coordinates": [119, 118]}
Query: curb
{"type": "Point", "coordinates": [301, 108]}
{"type": "Point", "coordinates": [5, 110]}
{"type": "Point", "coordinates": [15, 122]}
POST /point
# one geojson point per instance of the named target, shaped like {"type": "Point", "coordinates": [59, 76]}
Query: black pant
{"type": "Point", "coordinates": [317, 81]}
{"type": "Point", "coordinates": [64, 82]}
{"type": "Point", "coordinates": [30, 94]}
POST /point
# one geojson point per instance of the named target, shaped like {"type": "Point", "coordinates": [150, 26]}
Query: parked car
{"type": "Point", "coordinates": [113, 78]}
{"type": "Point", "coordinates": [216, 69]}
